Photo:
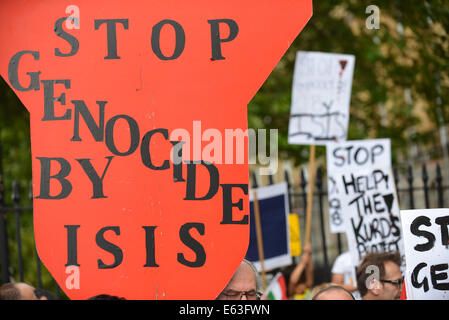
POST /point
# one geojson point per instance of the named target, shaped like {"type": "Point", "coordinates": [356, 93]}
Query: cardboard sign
{"type": "Point", "coordinates": [426, 244]}
{"type": "Point", "coordinates": [295, 234]}
{"type": "Point", "coordinates": [129, 103]}
{"type": "Point", "coordinates": [274, 217]}
{"type": "Point", "coordinates": [345, 156]}
{"type": "Point", "coordinates": [321, 97]}
{"type": "Point", "coordinates": [368, 197]}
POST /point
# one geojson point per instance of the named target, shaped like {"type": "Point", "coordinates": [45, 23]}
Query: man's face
{"type": "Point", "coordinates": [388, 290]}
{"type": "Point", "coordinates": [243, 281]}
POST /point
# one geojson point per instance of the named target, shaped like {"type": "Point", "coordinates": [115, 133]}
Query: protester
{"type": "Point", "coordinates": [343, 274]}
{"type": "Point", "coordinates": [379, 276]}
{"type": "Point", "coordinates": [244, 285]}
{"type": "Point", "coordinates": [18, 291]}
{"type": "Point", "coordinates": [331, 291]}
{"type": "Point", "coordinates": [300, 279]}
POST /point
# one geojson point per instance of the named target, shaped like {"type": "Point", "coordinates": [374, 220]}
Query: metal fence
{"type": "Point", "coordinates": [424, 189]}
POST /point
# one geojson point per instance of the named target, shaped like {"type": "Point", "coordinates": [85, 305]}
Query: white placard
{"type": "Point", "coordinates": [346, 156]}
{"type": "Point", "coordinates": [426, 245]}
{"type": "Point", "coordinates": [321, 96]}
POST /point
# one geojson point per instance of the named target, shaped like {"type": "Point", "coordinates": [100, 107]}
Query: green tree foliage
{"type": "Point", "coordinates": [15, 148]}
{"type": "Point", "coordinates": [409, 52]}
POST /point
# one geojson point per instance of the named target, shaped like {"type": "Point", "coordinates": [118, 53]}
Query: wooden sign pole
{"type": "Point", "coordinates": [310, 194]}
{"type": "Point", "coordinates": [259, 238]}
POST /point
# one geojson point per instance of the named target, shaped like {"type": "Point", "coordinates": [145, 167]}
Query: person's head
{"type": "Point", "coordinates": [332, 292]}
{"type": "Point", "coordinates": [17, 291]}
{"type": "Point", "coordinates": [244, 284]}
{"type": "Point", "coordinates": [105, 297]}
{"type": "Point", "coordinates": [379, 276]}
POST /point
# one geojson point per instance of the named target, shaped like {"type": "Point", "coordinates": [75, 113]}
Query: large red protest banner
{"type": "Point", "coordinates": [108, 84]}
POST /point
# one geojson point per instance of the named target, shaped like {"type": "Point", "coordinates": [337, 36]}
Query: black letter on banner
{"type": "Point", "coordinates": [145, 149]}
{"type": "Point", "coordinates": [74, 43]}
{"type": "Point", "coordinates": [228, 204]}
{"type": "Point", "coordinates": [150, 246]}
{"type": "Point", "coordinates": [60, 176]}
{"type": "Point", "coordinates": [191, 180]}
{"type": "Point", "coordinates": [180, 39]}
{"type": "Point", "coordinates": [109, 247]}
{"type": "Point", "coordinates": [415, 273]}
{"type": "Point", "coordinates": [395, 229]}
{"type": "Point", "coordinates": [49, 100]}
{"type": "Point", "coordinates": [190, 242]}
{"type": "Point", "coordinates": [443, 222]}
{"type": "Point", "coordinates": [97, 182]}
{"type": "Point", "coordinates": [336, 157]}
{"type": "Point", "coordinates": [134, 132]}
{"type": "Point", "coordinates": [111, 34]}
{"type": "Point", "coordinates": [72, 245]}
{"type": "Point", "coordinates": [81, 108]}
{"type": "Point", "coordinates": [177, 160]}
{"type": "Point", "coordinates": [439, 276]}
{"type": "Point", "coordinates": [215, 36]}
{"type": "Point", "coordinates": [13, 68]}
{"type": "Point", "coordinates": [414, 228]}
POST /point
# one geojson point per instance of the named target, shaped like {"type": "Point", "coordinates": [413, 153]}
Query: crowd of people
{"type": "Point", "coordinates": [378, 277]}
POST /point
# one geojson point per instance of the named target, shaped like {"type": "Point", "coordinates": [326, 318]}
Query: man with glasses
{"type": "Point", "coordinates": [244, 284]}
{"type": "Point", "coordinates": [379, 276]}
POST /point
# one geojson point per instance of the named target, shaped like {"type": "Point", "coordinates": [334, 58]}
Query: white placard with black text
{"type": "Point", "coordinates": [346, 156]}
{"type": "Point", "coordinates": [426, 243]}
{"type": "Point", "coordinates": [321, 96]}
{"type": "Point", "coordinates": [368, 197]}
